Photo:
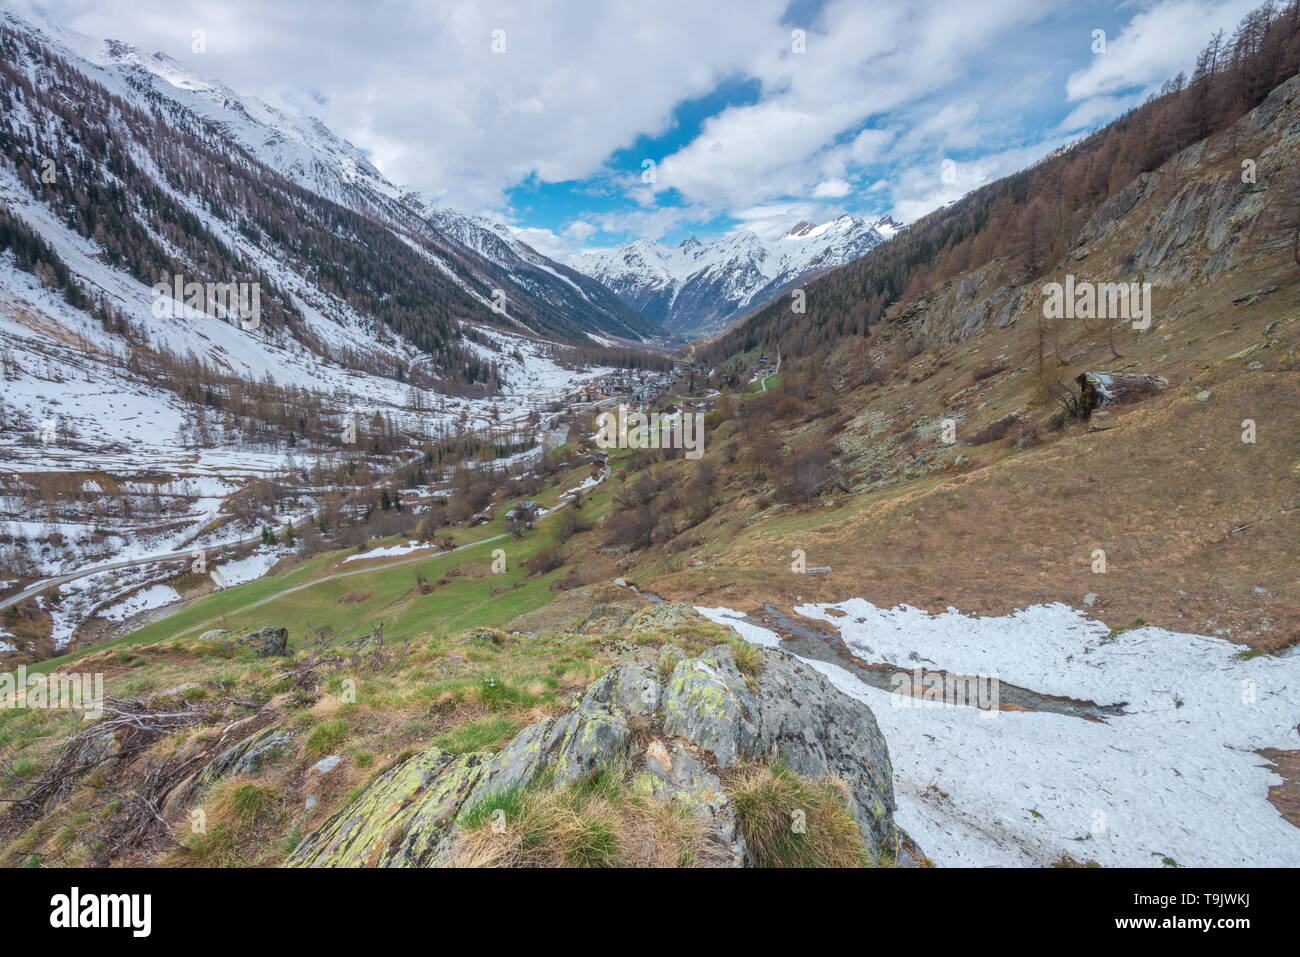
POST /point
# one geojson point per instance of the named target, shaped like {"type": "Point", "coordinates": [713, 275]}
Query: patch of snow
{"type": "Point", "coordinates": [399, 549]}
{"type": "Point", "coordinates": [1176, 776]}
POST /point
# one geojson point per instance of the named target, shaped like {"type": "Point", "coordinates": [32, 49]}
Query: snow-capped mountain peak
{"type": "Point", "coordinates": [699, 287]}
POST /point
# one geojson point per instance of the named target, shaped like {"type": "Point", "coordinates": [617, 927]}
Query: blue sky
{"type": "Point", "coordinates": [543, 115]}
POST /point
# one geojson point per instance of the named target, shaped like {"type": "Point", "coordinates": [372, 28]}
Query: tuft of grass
{"type": "Point", "coordinates": [248, 803]}
{"type": "Point", "coordinates": [486, 735]}
{"type": "Point", "coordinates": [239, 816]}
{"type": "Point", "coordinates": [588, 835]}
{"type": "Point", "coordinates": [596, 822]}
{"type": "Point", "coordinates": [788, 821]}
{"type": "Point", "coordinates": [327, 736]}
{"type": "Point", "coordinates": [1116, 632]}
{"type": "Point", "coordinates": [498, 695]}
{"type": "Point", "coordinates": [218, 846]}
{"type": "Point", "coordinates": [749, 658]}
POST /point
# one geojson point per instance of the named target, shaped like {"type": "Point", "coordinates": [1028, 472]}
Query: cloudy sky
{"type": "Point", "coordinates": [586, 124]}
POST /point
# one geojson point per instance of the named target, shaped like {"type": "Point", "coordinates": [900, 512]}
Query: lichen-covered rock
{"type": "Point", "coordinates": [674, 774]}
{"type": "Point", "coordinates": [672, 737]}
{"type": "Point", "coordinates": [248, 753]}
{"type": "Point", "coordinates": [707, 703]}
{"type": "Point", "coordinates": [818, 730]}
{"type": "Point", "coordinates": [399, 820]}
{"type": "Point", "coordinates": [482, 636]}
{"type": "Point", "coordinates": [793, 713]}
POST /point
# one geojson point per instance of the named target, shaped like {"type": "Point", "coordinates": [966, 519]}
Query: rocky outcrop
{"type": "Point", "coordinates": [270, 641]}
{"type": "Point", "coordinates": [243, 747]}
{"type": "Point", "coordinates": [1197, 218]}
{"type": "Point", "coordinates": [674, 737]}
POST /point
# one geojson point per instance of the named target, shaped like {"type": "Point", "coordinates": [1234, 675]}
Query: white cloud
{"type": "Point", "coordinates": [650, 222]}
{"type": "Point", "coordinates": [418, 85]}
{"type": "Point", "coordinates": [544, 241]}
{"type": "Point", "coordinates": [922, 189]}
{"type": "Point", "coordinates": [1155, 45]}
{"type": "Point", "coordinates": [862, 61]}
{"type": "Point", "coordinates": [771, 220]}
{"type": "Point", "coordinates": [831, 189]}
{"type": "Point", "coordinates": [580, 230]}
{"type": "Point", "coordinates": [1096, 110]}
{"type": "Point", "coordinates": [421, 91]}
{"type": "Point", "coordinates": [870, 144]}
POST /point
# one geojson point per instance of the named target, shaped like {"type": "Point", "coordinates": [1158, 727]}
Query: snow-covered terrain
{"type": "Point", "coordinates": [388, 551]}
{"type": "Point", "coordinates": [1175, 777]}
{"type": "Point", "coordinates": [155, 466]}
{"type": "Point", "coordinates": [697, 287]}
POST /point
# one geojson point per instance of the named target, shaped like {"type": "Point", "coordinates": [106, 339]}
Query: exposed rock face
{"type": "Point", "coordinates": [1194, 220]}
{"type": "Point", "coordinates": [254, 745]}
{"type": "Point", "coordinates": [673, 736]}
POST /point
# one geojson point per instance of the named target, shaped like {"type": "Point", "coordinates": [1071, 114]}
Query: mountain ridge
{"type": "Point", "coordinates": [698, 287]}
{"type": "Point", "coordinates": [309, 154]}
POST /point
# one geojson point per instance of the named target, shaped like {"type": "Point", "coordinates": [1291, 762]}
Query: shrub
{"type": "Point", "coordinates": [632, 528]}
{"type": "Point", "coordinates": [809, 471]}
{"type": "Point", "coordinates": [570, 523]}
{"type": "Point", "coordinates": [546, 560]}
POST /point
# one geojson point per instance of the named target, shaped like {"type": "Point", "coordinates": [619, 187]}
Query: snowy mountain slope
{"type": "Point", "coordinates": [302, 149]}
{"type": "Point", "coordinates": [480, 257]}
{"type": "Point", "coordinates": [121, 211]}
{"type": "Point", "coordinates": [698, 287]}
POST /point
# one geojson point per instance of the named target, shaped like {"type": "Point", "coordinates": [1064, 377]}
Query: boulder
{"type": "Point", "coordinates": [248, 753]}
{"type": "Point", "coordinates": [269, 641]}
{"type": "Point", "coordinates": [674, 738]}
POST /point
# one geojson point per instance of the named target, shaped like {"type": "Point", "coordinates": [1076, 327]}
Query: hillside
{"type": "Point", "coordinates": [459, 259]}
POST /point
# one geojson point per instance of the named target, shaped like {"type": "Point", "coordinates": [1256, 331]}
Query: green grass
{"type": "Point", "coordinates": [598, 821]}
{"type": "Point", "coordinates": [463, 602]}
{"type": "Point", "coordinates": [749, 658]}
{"type": "Point", "coordinates": [252, 801]}
{"type": "Point", "coordinates": [327, 736]}
{"type": "Point", "coordinates": [486, 735]}
{"type": "Point", "coordinates": [788, 821]}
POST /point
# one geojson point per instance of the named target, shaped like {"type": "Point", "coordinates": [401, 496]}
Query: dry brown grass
{"type": "Point", "coordinates": [1192, 519]}
{"type": "Point", "coordinates": [592, 824]}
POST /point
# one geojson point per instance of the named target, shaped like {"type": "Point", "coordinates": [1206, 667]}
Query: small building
{"type": "Point", "coordinates": [1103, 388]}
{"type": "Point", "coordinates": [522, 515]}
